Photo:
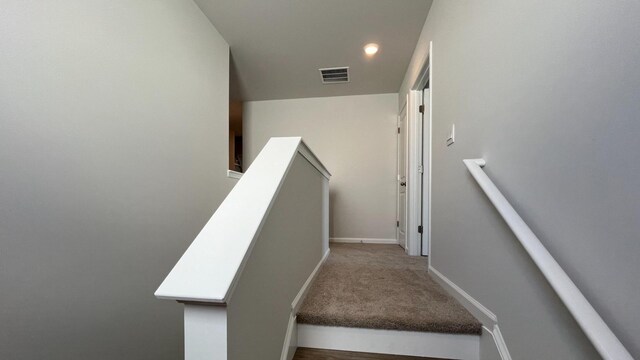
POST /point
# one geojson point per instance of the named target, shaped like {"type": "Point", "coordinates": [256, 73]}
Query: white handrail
{"type": "Point", "coordinates": [209, 268]}
{"type": "Point", "coordinates": [600, 335]}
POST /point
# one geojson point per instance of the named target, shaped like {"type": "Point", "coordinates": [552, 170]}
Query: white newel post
{"type": "Point", "coordinates": [205, 332]}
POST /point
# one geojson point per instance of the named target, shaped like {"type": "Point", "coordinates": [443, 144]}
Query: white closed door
{"type": "Point", "coordinates": [401, 222]}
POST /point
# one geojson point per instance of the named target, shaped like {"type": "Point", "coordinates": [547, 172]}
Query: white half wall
{"type": "Point", "coordinates": [355, 136]}
{"type": "Point", "coordinates": [286, 252]}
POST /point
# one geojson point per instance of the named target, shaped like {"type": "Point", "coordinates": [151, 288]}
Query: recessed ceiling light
{"type": "Point", "coordinates": [371, 49]}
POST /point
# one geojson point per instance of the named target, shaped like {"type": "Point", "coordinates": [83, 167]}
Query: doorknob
{"type": "Point", "coordinates": [403, 184]}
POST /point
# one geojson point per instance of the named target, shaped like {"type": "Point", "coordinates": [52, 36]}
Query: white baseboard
{"type": "Point", "coordinates": [297, 301]}
{"type": "Point", "coordinates": [498, 340]}
{"type": "Point", "coordinates": [291, 338]}
{"type": "Point", "coordinates": [409, 343]}
{"type": "Point", "coordinates": [363, 241]}
{"type": "Point", "coordinates": [486, 316]}
{"type": "Point", "coordinates": [488, 319]}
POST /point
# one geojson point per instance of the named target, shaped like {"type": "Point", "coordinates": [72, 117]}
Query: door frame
{"type": "Point", "coordinates": [419, 169]}
{"type": "Point", "coordinates": [403, 109]}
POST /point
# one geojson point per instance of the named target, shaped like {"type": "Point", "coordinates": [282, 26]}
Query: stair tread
{"type": "Point", "coordinates": [380, 287]}
{"type": "Point", "coordinates": [321, 354]}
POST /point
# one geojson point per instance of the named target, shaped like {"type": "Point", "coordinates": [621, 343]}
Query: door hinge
{"type": "Point", "coordinates": [398, 223]}
{"type": "Point", "coordinates": [398, 130]}
{"type": "Point", "coordinates": [420, 169]}
{"type": "Point", "coordinates": [420, 229]}
{"type": "Point", "coordinates": [421, 109]}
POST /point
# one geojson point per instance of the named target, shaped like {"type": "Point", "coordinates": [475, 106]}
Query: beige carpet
{"type": "Point", "coordinates": [380, 287]}
{"type": "Point", "coordinates": [322, 354]}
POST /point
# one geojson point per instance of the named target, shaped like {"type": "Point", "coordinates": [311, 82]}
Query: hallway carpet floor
{"type": "Point", "coordinates": [380, 287]}
{"type": "Point", "coordinates": [319, 354]}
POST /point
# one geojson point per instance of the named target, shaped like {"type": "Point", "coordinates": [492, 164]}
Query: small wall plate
{"type": "Point", "coordinates": [452, 135]}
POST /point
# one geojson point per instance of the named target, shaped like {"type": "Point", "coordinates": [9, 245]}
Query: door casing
{"type": "Point", "coordinates": [401, 178]}
{"type": "Point", "coordinates": [419, 214]}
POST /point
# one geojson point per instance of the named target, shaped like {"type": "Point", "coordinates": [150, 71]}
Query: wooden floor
{"type": "Point", "coordinates": [319, 354]}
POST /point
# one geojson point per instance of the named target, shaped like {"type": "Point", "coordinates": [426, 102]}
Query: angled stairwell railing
{"type": "Point", "coordinates": [242, 272]}
{"type": "Point", "coordinates": [597, 331]}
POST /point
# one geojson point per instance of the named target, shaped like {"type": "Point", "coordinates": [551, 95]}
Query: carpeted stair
{"type": "Point", "coordinates": [380, 287]}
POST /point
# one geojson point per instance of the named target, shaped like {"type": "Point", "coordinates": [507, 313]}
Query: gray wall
{"type": "Point", "coordinates": [260, 306]}
{"type": "Point", "coordinates": [548, 92]}
{"type": "Point", "coordinates": [355, 137]}
{"type": "Point", "coordinates": [113, 152]}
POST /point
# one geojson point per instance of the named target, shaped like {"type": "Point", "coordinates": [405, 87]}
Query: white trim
{"type": "Point", "coordinates": [421, 80]}
{"type": "Point", "coordinates": [363, 241]}
{"type": "Point", "coordinates": [413, 176]}
{"type": "Point", "coordinates": [425, 196]}
{"type": "Point", "coordinates": [291, 337]}
{"type": "Point", "coordinates": [290, 344]}
{"type": "Point", "coordinates": [302, 294]}
{"type": "Point", "coordinates": [424, 73]}
{"type": "Point", "coordinates": [209, 269]}
{"type": "Point", "coordinates": [399, 177]}
{"type": "Point", "coordinates": [205, 332]}
{"type": "Point", "coordinates": [409, 343]}
{"type": "Point", "coordinates": [486, 316]}
{"type": "Point", "coordinates": [325, 215]}
{"type": "Point", "coordinates": [430, 171]}
{"type": "Point", "coordinates": [306, 152]}
{"type": "Point", "coordinates": [415, 152]}
{"type": "Point", "coordinates": [213, 278]}
{"type": "Point", "coordinates": [234, 174]}
{"type": "Point", "coordinates": [501, 345]}
{"type": "Point", "coordinates": [488, 319]}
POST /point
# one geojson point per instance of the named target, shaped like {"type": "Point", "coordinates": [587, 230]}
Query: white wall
{"type": "Point", "coordinates": [113, 153]}
{"type": "Point", "coordinates": [547, 92]}
{"type": "Point", "coordinates": [355, 137]}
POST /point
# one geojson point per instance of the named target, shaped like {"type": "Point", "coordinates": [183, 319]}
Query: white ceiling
{"type": "Point", "coordinates": [277, 46]}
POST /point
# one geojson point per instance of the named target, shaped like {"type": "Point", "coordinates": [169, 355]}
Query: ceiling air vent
{"type": "Point", "coordinates": [337, 75]}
